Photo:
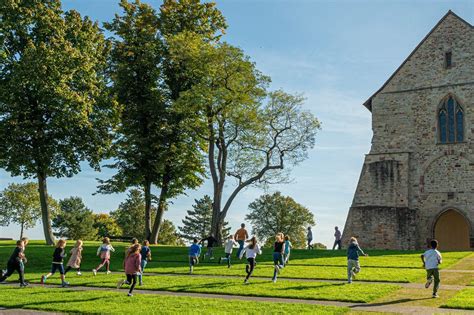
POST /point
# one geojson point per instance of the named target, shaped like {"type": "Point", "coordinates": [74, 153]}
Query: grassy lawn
{"type": "Point", "coordinates": [463, 299]}
{"type": "Point", "coordinates": [103, 302]}
{"type": "Point", "coordinates": [235, 286]}
{"type": "Point", "coordinates": [392, 266]}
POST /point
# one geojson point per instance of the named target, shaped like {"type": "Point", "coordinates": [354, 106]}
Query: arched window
{"type": "Point", "coordinates": [450, 121]}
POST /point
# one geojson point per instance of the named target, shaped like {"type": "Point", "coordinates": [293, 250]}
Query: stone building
{"type": "Point", "coordinates": [417, 181]}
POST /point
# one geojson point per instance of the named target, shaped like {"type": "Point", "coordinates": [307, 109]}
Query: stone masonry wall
{"type": "Point", "coordinates": [409, 178]}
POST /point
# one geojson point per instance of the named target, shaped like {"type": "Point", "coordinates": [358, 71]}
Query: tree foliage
{"type": "Point", "coordinates": [254, 136]}
{"type": "Point", "coordinates": [197, 223]}
{"type": "Point", "coordinates": [130, 215]}
{"type": "Point", "coordinates": [169, 235]}
{"type": "Point", "coordinates": [106, 226]}
{"type": "Point", "coordinates": [74, 221]}
{"type": "Point", "coordinates": [19, 203]}
{"type": "Point", "coordinates": [271, 214]}
{"type": "Point", "coordinates": [54, 109]}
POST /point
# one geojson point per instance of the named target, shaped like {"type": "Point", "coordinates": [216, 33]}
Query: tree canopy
{"type": "Point", "coordinates": [271, 214]}
{"type": "Point", "coordinates": [74, 220]}
{"type": "Point", "coordinates": [54, 107]}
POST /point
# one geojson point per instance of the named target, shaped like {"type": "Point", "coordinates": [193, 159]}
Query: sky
{"type": "Point", "coordinates": [336, 53]}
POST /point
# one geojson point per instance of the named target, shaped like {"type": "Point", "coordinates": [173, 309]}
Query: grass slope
{"type": "Point", "coordinates": [94, 302]}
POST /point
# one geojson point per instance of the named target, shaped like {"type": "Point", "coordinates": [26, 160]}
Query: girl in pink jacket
{"type": "Point", "coordinates": [132, 266]}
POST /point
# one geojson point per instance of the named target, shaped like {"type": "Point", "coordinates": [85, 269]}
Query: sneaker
{"type": "Point", "coordinates": [428, 283]}
{"type": "Point", "coordinates": [130, 294]}
{"type": "Point", "coordinates": [274, 280]}
{"type": "Point", "coordinates": [435, 296]}
{"type": "Point", "coordinates": [43, 279]}
{"type": "Point", "coordinates": [79, 273]}
{"type": "Point", "coordinates": [65, 284]}
{"type": "Point", "coordinates": [246, 281]}
{"type": "Point", "coordinates": [247, 268]}
{"type": "Point", "coordinates": [140, 283]}
{"type": "Point", "coordinates": [120, 283]}
{"type": "Point", "coordinates": [94, 271]}
{"type": "Point", "coordinates": [108, 272]}
{"type": "Point", "coordinates": [24, 284]}
{"type": "Point", "coordinates": [349, 282]}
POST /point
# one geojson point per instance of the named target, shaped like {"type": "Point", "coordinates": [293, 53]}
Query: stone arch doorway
{"type": "Point", "coordinates": [452, 231]}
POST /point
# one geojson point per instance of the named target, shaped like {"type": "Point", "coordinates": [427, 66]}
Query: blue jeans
{"type": "Point", "coordinates": [277, 261]}
{"type": "Point", "coordinates": [241, 247]}
{"type": "Point", "coordinates": [140, 275]}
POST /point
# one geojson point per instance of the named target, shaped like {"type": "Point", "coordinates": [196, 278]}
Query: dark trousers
{"type": "Point", "coordinates": [309, 244]}
{"type": "Point", "coordinates": [338, 244]}
{"type": "Point", "coordinates": [11, 268]}
{"type": "Point", "coordinates": [250, 267]}
{"type": "Point", "coordinates": [433, 273]}
{"type": "Point", "coordinates": [69, 268]}
{"type": "Point", "coordinates": [132, 280]}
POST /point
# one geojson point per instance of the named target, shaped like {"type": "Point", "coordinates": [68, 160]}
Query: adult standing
{"type": "Point", "coordinates": [309, 237]}
{"type": "Point", "coordinates": [337, 239]}
{"type": "Point", "coordinates": [241, 236]}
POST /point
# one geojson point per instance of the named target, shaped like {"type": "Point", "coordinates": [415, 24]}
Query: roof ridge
{"type": "Point", "coordinates": [368, 102]}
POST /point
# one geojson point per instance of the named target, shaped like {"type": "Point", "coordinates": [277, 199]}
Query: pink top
{"type": "Point", "coordinates": [132, 264]}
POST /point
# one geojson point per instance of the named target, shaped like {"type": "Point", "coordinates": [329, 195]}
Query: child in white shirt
{"type": "Point", "coordinates": [251, 251]}
{"type": "Point", "coordinates": [228, 247]}
{"type": "Point", "coordinates": [431, 259]}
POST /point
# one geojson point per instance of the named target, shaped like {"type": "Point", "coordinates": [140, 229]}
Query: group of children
{"type": "Point", "coordinates": [137, 257]}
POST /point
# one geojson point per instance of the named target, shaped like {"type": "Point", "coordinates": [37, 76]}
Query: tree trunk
{"type": "Point", "coordinates": [21, 231]}
{"type": "Point", "coordinates": [161, 208]}
{"type": "Point", "coordinates": [147, 189]}
{"type": "Point", "coordinates": [45, 212]}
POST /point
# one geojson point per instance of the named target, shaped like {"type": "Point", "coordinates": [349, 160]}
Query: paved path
{"type": "Point", "coordinates": [24, 312]}
{"type": "Point", "coordinates": [389, 307]}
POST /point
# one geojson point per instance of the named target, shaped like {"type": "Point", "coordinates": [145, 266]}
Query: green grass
{"type": "Point", "coordinates": [391, 266]}
{"type": "Point", "coordinates": [103, 302]}
{"type": "Point", "coordinates": [464, 299]}
{"type": "Point", "coordinates": [234, 286]}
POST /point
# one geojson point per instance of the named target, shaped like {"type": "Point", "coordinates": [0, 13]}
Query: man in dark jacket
{"type": "Point", "coordinates": [353, 266]}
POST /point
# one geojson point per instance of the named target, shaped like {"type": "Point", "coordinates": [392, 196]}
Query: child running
{"type": "Point", "coordinates": [431, 259]}
{"type": "Point", "coordinates": [15, 263]}
{"type": "Point", "coordinates": [211, 242]}
{"type": "Point", "coordinates": [278, 250]}
{"type": "Point", "coordinates": [146, 257]}
{"type": "Point", "coordinates": [228, 247]}
{"type": "Point", "coordinates": [251, 251]}
{"type": "Point", "coordinates": [194, 253]}
{"type": "Point", "coordinates": [132, 268]}
{"type": "Point", "coordinates": [353, 266]}
{"type": "Point", "coordinates": [104, 253]}
{"type": "Point", "coordinates": [75, 259]}
{"type": "Point", "coordinates": [57, 265]}
{"type": "Point", "coordinates": [288, 247]}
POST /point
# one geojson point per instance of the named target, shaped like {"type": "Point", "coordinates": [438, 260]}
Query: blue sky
{"type": "Point", "coordinates": [337, 53]}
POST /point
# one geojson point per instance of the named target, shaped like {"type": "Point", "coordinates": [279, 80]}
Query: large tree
{"type": "Point", "coordinates": [54, 111]}
{"type": "Point", "coordinates": [271, 214]}
{"type": "Point", "coordinates": [197, 223]}
{"type": "Point", "coordinates": [74, 220]}
{"type": "Point", "coordinates": [253, 136]}
{"type": "Point", "coordinates": [19, 203]}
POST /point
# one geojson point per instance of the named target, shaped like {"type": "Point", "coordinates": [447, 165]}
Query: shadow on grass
{"type": "Point", "coordinates": [392, 302]}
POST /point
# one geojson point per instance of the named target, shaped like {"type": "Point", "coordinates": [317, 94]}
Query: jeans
{"type": "Point", "coordinates": [352, 266]}
{"type": "Point", "coordinates": [140, 275]}
{"type": "Point", "coordinates": [11, 268]}
{"type": "Point", "coordinates": [59, 267]}
{"type": "Point", "coordinates": [277, 261]}
{"type": "Point", "coordinates": [241, 247]}
{"type": "Point", "coordinates": [433, 273]}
